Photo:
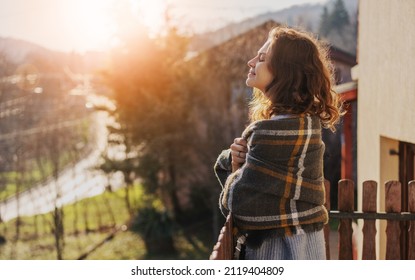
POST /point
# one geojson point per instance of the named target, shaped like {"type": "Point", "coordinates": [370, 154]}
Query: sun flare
{"type": "Point", "coordinates": [88, 23]}
{"type": "Point", "coordinates": [93, 24]}
{"type": "Point", "coordinates": [151, 13]}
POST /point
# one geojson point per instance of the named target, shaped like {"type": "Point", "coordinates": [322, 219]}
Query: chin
{"type": "Point", "coordinates": [249, 83]}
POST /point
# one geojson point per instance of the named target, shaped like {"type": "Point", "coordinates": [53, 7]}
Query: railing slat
{"type": "Point", "coordinates": [228, 239]}
{"type": "Point", "coordinates": [221, 252]}
{"type": "Point", "coordinates": [369, 227]}
{"type": "Point", "coordinates": [411, 231]}
{"type": "Point", "coordinates": [225, 239]}
{"type": "Point", "coordinates": [393, 231]}
{"type": "Point", "coordinates": [327, 226]}
{"type": "Point", "coordinates": [346, 204]}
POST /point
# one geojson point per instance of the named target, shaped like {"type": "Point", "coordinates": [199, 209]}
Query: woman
{"type": "Point", "coordinates": [272, 176]}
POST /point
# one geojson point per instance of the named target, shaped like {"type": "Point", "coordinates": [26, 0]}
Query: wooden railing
{"type": "Point", "coordinates": [221, 250]}
{"type": "Point", "coordinates": [400, 231]}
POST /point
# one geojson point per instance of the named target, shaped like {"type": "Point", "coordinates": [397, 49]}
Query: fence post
{"type": "Point", "coordinates": [221, 252]}
{"type": "Point", "coordinates": [327, 226]}
{"type": "Point", "coordinates": [223, 249]}
{"type": "Point", "coordinates": [393, 231]}
{"type": "Point", "coordinates": [228, 240]}
{"type": "Point", "coordinates": [369, 227]}
{"type": "Point", "coordinates": [346, 204]}
{"type": "Point", "coordinates": [411, 233]}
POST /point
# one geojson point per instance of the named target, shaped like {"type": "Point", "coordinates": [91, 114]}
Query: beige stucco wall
{"type": "Point", "coordinates": [386, 83]}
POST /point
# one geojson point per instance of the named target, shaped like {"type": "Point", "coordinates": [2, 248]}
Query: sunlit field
{"type": "Point", "coordinates": [96, 228]}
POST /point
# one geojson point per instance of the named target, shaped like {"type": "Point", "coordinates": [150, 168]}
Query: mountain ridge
{"type": "Point", "coordinates": [18, 51]}
{"type": "Point", "coordinates": [306, 16]}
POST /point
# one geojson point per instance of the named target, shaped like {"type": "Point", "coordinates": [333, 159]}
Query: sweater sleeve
{"type": "Point", "coordinates": [223, 168]}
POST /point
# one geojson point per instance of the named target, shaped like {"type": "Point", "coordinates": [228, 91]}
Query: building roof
{"type": "Point", "coordinates": [342, 56]}
{"type": "Point", "coordinates": [258, 35]}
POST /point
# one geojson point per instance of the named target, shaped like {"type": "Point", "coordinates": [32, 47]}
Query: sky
{"type": "Point", "coordinates": [81, 25]}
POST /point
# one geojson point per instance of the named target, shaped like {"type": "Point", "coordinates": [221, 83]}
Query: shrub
{"type": "Point", "coordinates": [156, 228]}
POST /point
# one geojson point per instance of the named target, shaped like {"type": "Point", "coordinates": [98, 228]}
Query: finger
{"type": "Point", "coordinates": [242, 144]}
{"type": "Point", "coordinates": [238, 160]}
{"type": "Point", "coordinates": [236, 151]}
{"type": "Point", "coordinates": [241, 154]}
{"type": "Point", "coordinates": [236, 140]}
{"type": "Point", "coordinates": [238, 156]}
{"type": "Point", "coordinates": [240, 141]}
{"type": "Point", "coordinates": [238, 148]}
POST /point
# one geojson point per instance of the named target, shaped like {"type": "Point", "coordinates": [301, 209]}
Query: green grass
{"type": "Point", "coordinates": [9, 181]}
{"type": "Point", "coordinates": [33, 174]}
{"type": "Point", "coordinates": [28, 178]}
{"type": "Point", "coordinates": [88, 223]}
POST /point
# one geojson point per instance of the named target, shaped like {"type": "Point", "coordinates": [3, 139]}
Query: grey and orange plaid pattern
{"type": "Point", "coordinates": [280, 186]}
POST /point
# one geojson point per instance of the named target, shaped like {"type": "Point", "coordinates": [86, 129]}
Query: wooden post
{"type": "Point", "coordinates": [221, 253]}
{"type": "Point", "coordinates": [346, 204]}
{"type": "Point", "coordinates": [411, 231]}
{"type": "Point", "coordinates": [369, 227]}
{"type": "Point", "coordinates": [223, 249]}
{"type": "Point", "coordinates": [393, 231]}
{"type": "Point", "coordinates": [228, 241]}
{"type": "Point", "coordinates": [214, 255]}
{"type": "Point", "coordinates": [327, 226]}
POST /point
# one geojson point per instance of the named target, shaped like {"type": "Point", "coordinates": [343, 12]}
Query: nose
{"type": "Point", "coordinates": [252, 62]}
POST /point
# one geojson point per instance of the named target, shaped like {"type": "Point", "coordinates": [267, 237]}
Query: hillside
{"type": "Point", "coordinates": [307, 16]}
{"type": "Point", "coordinates": [16, 52]}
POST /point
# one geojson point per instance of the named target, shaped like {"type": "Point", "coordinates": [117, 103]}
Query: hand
{"type": "Point", "coordinates": [239, 148]}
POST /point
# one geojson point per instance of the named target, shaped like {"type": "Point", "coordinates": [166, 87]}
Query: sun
{"type": "Point", "coordinates": [87, 23]}
{"type": "Point", "coordinates": [93, 24]}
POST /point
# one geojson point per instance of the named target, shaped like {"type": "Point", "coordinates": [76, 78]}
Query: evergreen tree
{"type": "Point", "coordinates": [324, 23]}
{"type": "Point", "coordinates": [339, 18]}
{"type": "Point", "coordinates": [154, 103]}
{"type": "Point", "coordinates": [336, 22]}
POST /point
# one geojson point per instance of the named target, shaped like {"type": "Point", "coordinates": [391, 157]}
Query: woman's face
{"type": "Point", "coordinates": [259, 75]}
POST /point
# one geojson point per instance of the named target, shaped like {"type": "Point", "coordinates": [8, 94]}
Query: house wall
{"type": "Point", "coordinates": [343, 72]}
{"type": "Point", "coordinates": [386, 84]}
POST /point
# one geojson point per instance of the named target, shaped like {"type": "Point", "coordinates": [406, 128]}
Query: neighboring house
{"type": "Point", "coordinates": [222, 71]}
{"type": "Point", "coordinates": [385, 78]}
{"type": "Point", "coordinates": [343, 63]}
{"type": "Point", "coordinates": [340, 155]}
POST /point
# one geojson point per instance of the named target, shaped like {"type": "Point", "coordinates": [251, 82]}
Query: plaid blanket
{"type": "Point", "coordinates": [280, 186]}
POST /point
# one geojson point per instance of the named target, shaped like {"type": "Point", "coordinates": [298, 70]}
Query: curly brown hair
{"type": "Point", "coordinates": [303, 79]}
